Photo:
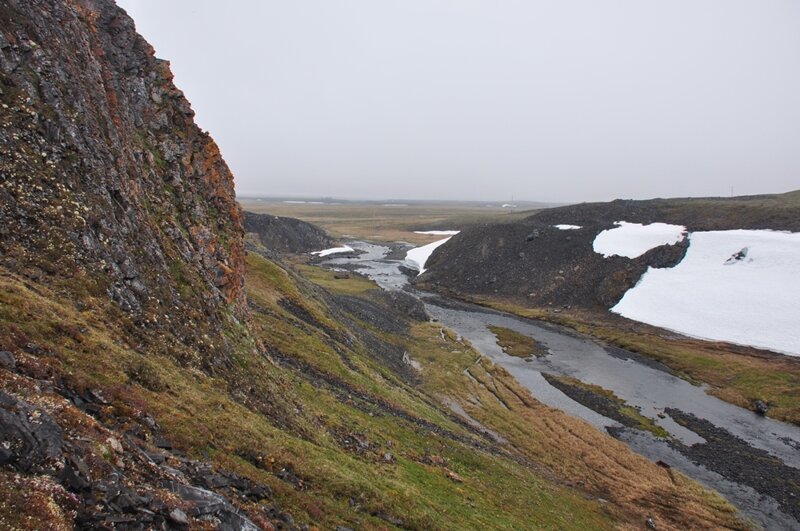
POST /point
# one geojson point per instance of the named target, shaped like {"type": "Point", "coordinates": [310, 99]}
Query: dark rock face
{"type": "Point", "coordinates": [287, 235]}
{"type": "Point", "coordinates": [534, 263]}
{"type": "Point", "coordinates": [30, 441]}
{"type": "Point", "coordinates": [543, 265]}
{"type": "Point", "coordinates": [404, 304]}
{"type": "Point", "coordinates": [106, 180]}
{"type": "Point", "coordinates": [113, 200]}
{"type": "Point", "coordinates": [205, 503]}
{"type": "Point", "coordinates": [7, 360]}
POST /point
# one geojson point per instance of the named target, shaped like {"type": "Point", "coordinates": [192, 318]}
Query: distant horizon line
{"type": "Point", "coordinates": [498, 202]}
{"type": "Point", "coordinates": [394, 200]}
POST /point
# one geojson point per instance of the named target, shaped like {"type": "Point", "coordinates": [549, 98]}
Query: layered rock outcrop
{"type": "Point", "coordinates": [286, 235]}
{"type": "Point", "coordinates": [107, 186]}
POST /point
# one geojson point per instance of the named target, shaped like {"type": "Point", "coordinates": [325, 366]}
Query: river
{"type": "Point", "coordinates": [766, 496]}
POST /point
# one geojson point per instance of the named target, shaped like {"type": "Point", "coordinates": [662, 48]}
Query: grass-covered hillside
{"type": "Point", "coordinates": [318, 420]}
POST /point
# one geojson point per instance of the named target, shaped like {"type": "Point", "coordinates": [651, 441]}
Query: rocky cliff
{"type": "Point", "coordinates": [108, 187]}
{"type": "Point", "coordinates": [286, 235]}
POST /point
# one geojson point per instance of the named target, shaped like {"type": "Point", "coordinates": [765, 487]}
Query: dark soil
{"type": "Point", "coordinates": [397, 251]}
{"type": "Point", "coordinates": [622, 354]}
{"type": "Point", "coordinates": [733, 458]}
{"type": "Point", "coordinates": [595, 401]}
{"type": "Point", "coordinates": [534, 263]}
{"type": "Point", "coordinates": [371, 320]}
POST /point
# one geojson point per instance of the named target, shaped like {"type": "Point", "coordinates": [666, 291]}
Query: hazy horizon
{"type": "Point", "coordinates": [484, 101]}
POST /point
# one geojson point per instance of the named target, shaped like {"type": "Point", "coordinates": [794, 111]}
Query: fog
{"type": "Point", "coordinates": [565, 100]}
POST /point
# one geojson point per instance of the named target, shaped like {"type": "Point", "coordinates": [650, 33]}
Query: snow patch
{"type": "Point", "coordinates": [438, 232]}
{"type": "Point", "coordinates": [333, 250]}
{"type": "Point", "coordinates": [562, 226]}
{"type": "Point", "coordinates": [634, 239]}
{"type": "Point", "coordinates": [416, 257]}
{"type": "Point", "coordinates": [739, 286]}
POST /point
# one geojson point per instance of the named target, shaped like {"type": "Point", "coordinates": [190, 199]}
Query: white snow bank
{"type": "Point", "coordinates": [635, 239]}
{"type": "Point", "coordinates": [333, 250]}
{"type": "Point", "coordinates": [438, 232]}
{"type": "Point", "coordinates": [739, 286]}
{"type": "Point", "coordinates": [562, 226]}
{"type": "Point", "coordinates": [416, 257]}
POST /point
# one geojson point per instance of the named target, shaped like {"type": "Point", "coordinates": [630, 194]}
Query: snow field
{"type": "Point", "coordinates": [634, 239]}
{"type": "Point", "coordinates": [740, 286]}
{"type": "Point", "coordinates": [333, 250]}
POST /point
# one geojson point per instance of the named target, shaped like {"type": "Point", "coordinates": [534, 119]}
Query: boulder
{"type": "Point", "coordinates": [760, 407]}
{"type": "Point", "coordinates": [30, 440]}
{"type": "Point", "coordinates": [179, 517]}
{"type": "Point", "coordinates": [7, 360]}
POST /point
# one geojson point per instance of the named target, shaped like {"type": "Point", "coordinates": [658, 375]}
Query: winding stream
{"type": "Point", "coordinates": [640, 383]}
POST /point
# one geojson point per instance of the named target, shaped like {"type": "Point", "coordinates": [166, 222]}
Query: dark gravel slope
{"type": "Point", "coordinates": [286, 235]}
{"type": "Point", "coordinates": [534, 262]}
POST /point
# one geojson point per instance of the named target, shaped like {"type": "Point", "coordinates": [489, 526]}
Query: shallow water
{"type": "Point", "coordinates": [640, 384]}
{"type": "Point", "coordinates": [649, 389]}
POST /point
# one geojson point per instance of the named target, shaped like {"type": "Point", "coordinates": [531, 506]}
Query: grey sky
{"type": "Point", "coordinates": [485, 99]}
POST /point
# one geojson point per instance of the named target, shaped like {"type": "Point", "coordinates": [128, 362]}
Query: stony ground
{"type": "Point", "coordinates": [531, 262]}
{"type": "Point", "coordinates": [286, 235]}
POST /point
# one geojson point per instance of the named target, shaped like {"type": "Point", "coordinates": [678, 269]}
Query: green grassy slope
{"type": "Point", "coordinates": [338, 434]}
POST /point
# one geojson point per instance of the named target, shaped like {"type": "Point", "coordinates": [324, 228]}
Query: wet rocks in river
{"type": "Point", "coordinates": [733, 458]}
{"type": "Point", "coordinates": [595, 401]}
{"type": "Point", "coordinates": [760, 407]}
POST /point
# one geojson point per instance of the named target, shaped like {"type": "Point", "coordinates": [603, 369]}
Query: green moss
{"type": "Point", "coordinates": [349, 284]}
{"type": "Point", "coordinates": [515, 344]}
{"type": "Point", "coordinates": [158, 159]}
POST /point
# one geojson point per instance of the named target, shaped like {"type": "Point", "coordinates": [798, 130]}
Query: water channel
{"type": "Point", "coordinates": [639, 382]}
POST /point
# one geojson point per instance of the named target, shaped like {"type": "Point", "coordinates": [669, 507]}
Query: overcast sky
{"type": "Point", "coordinates": [558, 100]}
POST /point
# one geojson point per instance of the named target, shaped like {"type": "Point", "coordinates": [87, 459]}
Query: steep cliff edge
{"type": "Point", "coordinates": [108, 187]}
{"type": "Point", "coordinates": [286, 235]}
